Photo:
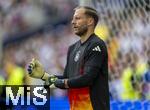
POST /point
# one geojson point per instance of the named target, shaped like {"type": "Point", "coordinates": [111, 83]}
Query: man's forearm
{"type": "Point", "coordinates": [61, 83]}
{"type": "Point", "coordinates": [80, 81]}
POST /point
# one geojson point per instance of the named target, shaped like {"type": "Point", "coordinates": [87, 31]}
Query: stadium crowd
{"type": "Point", "coordinates": [127, 38]}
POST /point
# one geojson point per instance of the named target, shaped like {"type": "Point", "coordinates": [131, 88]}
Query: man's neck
{"type": "Point", "coordinates": [83, 38]}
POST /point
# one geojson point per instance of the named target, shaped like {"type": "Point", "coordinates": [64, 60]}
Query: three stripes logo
{"type": "Point", "coordinates": [97, 48]}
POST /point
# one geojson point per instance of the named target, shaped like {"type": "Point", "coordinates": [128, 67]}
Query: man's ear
{"type": "Point", "coordinates": [90, 21]}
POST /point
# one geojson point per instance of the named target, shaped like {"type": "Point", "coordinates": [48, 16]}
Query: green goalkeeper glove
{"type": "Point", "coordinates": [50, 80]}
{"type": "Point", "coordinates": [36, 70]}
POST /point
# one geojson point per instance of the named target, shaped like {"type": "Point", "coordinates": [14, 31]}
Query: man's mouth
{"type": "Point", "coordinates": [75, 27]}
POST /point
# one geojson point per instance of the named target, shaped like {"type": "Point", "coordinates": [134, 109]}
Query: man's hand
{"type": "Point", "coordinates": [50, 80]}
{"type": "Point", "coordinates": [36, 70]}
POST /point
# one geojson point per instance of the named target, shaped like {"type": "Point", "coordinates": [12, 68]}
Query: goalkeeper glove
{"type": "Point", "coordinates": [36, 70]}
{"type": "Point", "coordinates": [50, 80]}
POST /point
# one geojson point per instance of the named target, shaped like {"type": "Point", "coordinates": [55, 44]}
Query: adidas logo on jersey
{"type": "Point", "coordinates": [97, 48]}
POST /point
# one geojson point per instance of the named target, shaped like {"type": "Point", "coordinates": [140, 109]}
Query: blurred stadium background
{"type": "Point", "coordinates": [41, 29]}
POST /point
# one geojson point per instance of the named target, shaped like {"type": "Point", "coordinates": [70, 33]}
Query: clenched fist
{"type": "Point", "coordinates": [36, 70]}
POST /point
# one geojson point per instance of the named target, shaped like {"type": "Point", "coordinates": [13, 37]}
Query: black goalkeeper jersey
{"type": "Point", "coordinates": [87, 73]}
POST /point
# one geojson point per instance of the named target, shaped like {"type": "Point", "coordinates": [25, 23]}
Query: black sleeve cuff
{"type": "Point", "coordinates": [60, 83]}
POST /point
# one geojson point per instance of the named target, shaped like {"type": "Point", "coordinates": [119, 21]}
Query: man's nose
{"type": "Point", "coordinates": [73, 21]}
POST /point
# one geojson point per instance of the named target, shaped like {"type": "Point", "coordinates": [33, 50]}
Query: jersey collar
{"type": "Point", "coordinates": [87, 39]}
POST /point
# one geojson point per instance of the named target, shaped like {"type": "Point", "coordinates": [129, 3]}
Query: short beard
{"type": "Point", "coordinates": [83, 31]}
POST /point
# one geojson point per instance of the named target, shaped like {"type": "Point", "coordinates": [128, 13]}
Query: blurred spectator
{"type": "Point", "coordinates": [14, 73]}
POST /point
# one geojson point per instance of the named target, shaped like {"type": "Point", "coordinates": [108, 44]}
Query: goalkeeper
{"type": "Point", "coordinates": [86, 72]}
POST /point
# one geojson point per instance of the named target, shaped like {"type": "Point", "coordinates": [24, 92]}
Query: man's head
{"type": "Point", "coordinates": [84, 19]}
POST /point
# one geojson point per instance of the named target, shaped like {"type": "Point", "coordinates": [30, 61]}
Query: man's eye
{"type": "Point", "coordinates": [77, 18]}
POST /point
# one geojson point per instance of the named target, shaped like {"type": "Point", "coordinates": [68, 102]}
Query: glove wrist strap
{"type": "Point", "coordinates": [45, 76]}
